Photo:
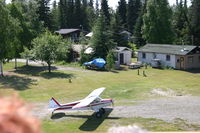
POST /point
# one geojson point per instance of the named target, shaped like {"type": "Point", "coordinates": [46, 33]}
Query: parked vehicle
{"type": "Point", "coordinates": [135, 65]}
{"type": "Point", "coordinates": [98, 63]}
{"type": "Point", "coordinates": [156, 63]}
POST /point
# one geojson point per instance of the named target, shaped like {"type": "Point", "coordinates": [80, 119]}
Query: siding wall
{"type": "Point", "coordinates": [127, 56]}
{"type": "Point", "coordinates": [162, 57]}
{"type": "Point", "coordinates": [188, 64]}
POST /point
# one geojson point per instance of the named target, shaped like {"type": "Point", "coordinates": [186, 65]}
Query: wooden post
{"type": "Point", "coordinates": [15, 63]}
{"type": "Point", "coordinates": [1, 67]}
{"type": "Point", "coordinates": [145, 66]}
{"type": "Point", "coordinates": [138, 72]}
{"type": "Point", "coordinates": [144, 74]}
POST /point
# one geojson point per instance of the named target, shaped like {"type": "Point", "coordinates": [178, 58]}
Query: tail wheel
{"type": "Point", "coordinates": [98, 114]}
{"type": "Point", "coordinates": [102, 110]}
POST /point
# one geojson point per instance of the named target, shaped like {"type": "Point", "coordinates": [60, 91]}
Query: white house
{"type": "Point", "coordinates": [123, 55]}
{"type": "Point", "coordinates": [175, 56]}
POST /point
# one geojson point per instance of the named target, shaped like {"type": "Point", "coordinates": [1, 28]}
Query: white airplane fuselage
{"type": "Point", "coordinates": [93, 106]}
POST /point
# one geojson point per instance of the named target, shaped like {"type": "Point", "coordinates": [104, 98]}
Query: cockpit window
{"type": "Point", "coordinates": [97, 100]}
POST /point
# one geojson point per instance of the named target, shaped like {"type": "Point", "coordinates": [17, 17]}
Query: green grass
{"type": "Point", "coordinates": [34, 84]}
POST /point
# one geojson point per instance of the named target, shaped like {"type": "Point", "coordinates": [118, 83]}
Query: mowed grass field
{"type": "Point", "coordinates": [34, 84]}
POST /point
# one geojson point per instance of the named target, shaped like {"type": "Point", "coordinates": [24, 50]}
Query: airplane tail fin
{"type": "Point", "coordinates": [53, 103]}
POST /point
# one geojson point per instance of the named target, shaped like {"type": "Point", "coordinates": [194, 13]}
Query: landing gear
{"type": "Point", "coordinates": [100, 112]}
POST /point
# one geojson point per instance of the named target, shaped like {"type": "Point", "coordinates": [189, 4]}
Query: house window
{"type": "Point", "coordinates": [154, 55]}
{"type": "Point", "coordinates": [167, 57]}
{"type": "Point", "coordinates": [190, 59]}
{"type": "Point", "coordinates": [144, 55]}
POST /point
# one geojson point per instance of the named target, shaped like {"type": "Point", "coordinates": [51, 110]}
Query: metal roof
{"type": "Point", "coordinates": [66, 31]}
{"type": "Point", "coordinates": [119, 49]}
{"type": "Point", "coordinates": [167, 49]}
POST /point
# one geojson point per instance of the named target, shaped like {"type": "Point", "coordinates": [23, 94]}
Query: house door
{"type": "Point", "coordinates": [121, 58]}
{"type": "Point", "coordinates": [181, 62]}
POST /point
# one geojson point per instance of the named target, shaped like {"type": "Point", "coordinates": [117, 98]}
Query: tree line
{"type": "Point", "coordinates": [149, 21]}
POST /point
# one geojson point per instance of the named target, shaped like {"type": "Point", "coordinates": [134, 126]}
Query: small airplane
{"type": "Point", "coordinates": [91, 102]}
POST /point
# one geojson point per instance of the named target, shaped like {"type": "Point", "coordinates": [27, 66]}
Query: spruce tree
{"type": "Point", "coordinates": [63, 16]}
{"type": "Point", "coordinates": [54, 17]}
{"type": "Point", "coordinates": [195, 22]}
{"type": "Point", "coordinates": [157, 22]}
{"type": "Point", "coordinates": [91, 3]}
{"type": "Point", "coordinates": [133, 11]}
{"type": "Point", "coordinates": [101, 40]}
{"type": "Point", "coordinates": [138, 38]}
{"type": "Point", "coordinates": [105, 11]}
{"type": "Point", "coordinates": [97, 8]}
{"type": "Point", "coordinates": [77, 14]}
{"type": "Point", "coordinates": [43, 12]}
{"type": "Point", "coordinates": [121, 10]}
{"type": "Point", "coordinates": [70, 13]}
{"type": "Point", "coordinates": [180, 23]}
{"type": "Point", "coordinates": [116, 28]}
{"type": "Point", "coordinates": [84, 15]}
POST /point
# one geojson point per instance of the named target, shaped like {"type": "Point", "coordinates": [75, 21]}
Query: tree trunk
{"type": "Point", "coordinates": [1, 68]}
{"type": "Point", "coordinates": [15, 63]}
{"type": "Point", "coordinates": [26, 62]}
{"type": "Point", "coordinates": [49, 67]}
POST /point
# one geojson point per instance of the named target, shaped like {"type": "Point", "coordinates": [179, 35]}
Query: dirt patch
{"type": "Point", "coordinates": [165, 92]}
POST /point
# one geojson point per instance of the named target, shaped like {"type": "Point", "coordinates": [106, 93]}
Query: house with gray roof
{"type": "Point", "coordinates": [73, 34]}
{"type": "Point", "coordinates": [175, 56]}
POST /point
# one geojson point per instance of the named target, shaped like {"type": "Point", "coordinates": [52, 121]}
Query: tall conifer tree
{"type": "Point", "coordinates": [133, 11]}
{"type": "Point", "coordinates": [105, 11]}
{"type": "Point", "coordinates": [43, 12]}
{"type": "Point", "coordinates": [121, 10]}
{"type": "Point", "coordinates": [157, 22]}
{"type": "Point", "coordinates": [195, 22]}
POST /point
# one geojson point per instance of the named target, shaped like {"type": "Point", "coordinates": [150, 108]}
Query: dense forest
{"type": "Point", "coordinates": [148, 21]}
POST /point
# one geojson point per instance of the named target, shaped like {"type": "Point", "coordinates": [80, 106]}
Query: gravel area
{"type": "Point", "coordinates": [167, 109]}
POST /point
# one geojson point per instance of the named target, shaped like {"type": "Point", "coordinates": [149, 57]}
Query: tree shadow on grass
{"type": "Point", "coordinates": [48, 75]}
{"type": "Point", "coordinates": [16, 82]}
{"type": "Point", "coordinates": [92, 123]}
{"type": "Point", "coordinates": [41, 71]}
{"type": "Point", "coordinates": [32, 70]}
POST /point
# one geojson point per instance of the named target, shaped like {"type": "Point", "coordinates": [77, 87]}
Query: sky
{"type": "Point", "coordinates": [114, 3]}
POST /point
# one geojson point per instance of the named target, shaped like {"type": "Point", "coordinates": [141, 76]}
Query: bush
{"type": "Point", "coordinates": [84, 58]}
{"type": "Point", "coordinates": [110, 60]}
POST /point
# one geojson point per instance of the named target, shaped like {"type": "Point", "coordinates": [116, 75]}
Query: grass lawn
{"type": "Point", "coordinates": [36, 85]}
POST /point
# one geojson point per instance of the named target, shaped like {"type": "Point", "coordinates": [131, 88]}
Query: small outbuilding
{"type": "Point", "coordinates": [123, 55]}
{"type": "Point", "coordinates": [175, 56]}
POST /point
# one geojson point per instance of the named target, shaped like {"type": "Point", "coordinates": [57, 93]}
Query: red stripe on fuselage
{"type": "Point", "coordinates": [73, 104]}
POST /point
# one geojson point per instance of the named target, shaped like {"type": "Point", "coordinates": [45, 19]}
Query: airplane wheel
{"type": "Point", "coordinates": [102, 110]}
{"type": "Point", "coordinates": [98, 114]}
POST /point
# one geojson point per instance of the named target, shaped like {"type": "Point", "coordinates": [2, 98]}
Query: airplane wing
{"type": "Point", "coordinates": [95, 93]}
{"type": "Point", "coordinates": [90, 98]}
